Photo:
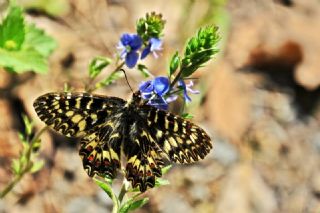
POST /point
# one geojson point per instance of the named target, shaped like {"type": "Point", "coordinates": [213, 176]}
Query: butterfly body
{"type": "Point", "coordinates": [110, 127]}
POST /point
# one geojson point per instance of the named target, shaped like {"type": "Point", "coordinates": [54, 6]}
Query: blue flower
{"type": "Point", "coordinates": [154, 91]}
{"type": "Point", "coordinates": [129, 45]}
{"type": "Point", "coordinates": [154, 45]}
{"type": "Point", "coordinates": [187, 88]}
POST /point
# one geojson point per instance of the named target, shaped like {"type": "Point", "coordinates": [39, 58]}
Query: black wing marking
{"type": "Point", "coordinates": [100, 150]}
{"type": "Point", "coordinates": [180, 139]}
{"type": "Point", "coordinates": [74, 114]}
{"type": "Point", "coordinates": [144, 160]}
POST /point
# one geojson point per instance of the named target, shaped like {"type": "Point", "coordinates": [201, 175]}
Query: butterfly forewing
{"type": "Point", "coordinates": [180, 139]}
{"type": "Point", "coordinates": [74, 114]}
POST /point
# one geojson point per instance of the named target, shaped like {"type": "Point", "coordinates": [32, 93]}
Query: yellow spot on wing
{"type": "Point", "coordinates": [76, 118]}
{"type": "Point", "coordinates": [82, 125]}
{"type": "Point", "coordinates": [70, 113]}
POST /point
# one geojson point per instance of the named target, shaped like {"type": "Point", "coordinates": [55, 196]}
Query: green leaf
{"type": "Point", "coordinates": [174, 63]}
{"type": "Point", "coordinates": [23, 60]}
{"type": "Point", "coordinates": [131, 205]}
{"type": "Point", "coordinates": [28, 124]}
{"type": "Point", "coordinates": [166, 169]}
{"type": "Point", "coordinates": [187, 116]}
{"type": "Point", "coordinates": [199, 50]}
{"type": "Point", "coordinates": [36, 145]}
{"type": "Point", "coordinates": [109, 80]}
{"type": "Point", "coordinates": [105, 187]}
{"type": "Point", "coordinates": [12, 29]}
{"type": "Point", "coordinates": [37, 39]}
{"type": "Point", "coordinates": [16, 166]}
{"type": "Point", "coordinates": [161, 182]}
{"type": "Point", "coordinates": [97, 65]}
{"type": "Point", "coordinates": [37, 166]}
{"type": "Point", "coordinates": [144, 70]}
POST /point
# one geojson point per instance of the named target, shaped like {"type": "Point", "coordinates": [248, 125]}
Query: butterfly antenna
{"type": "Point", "coordinates": [125, 75]}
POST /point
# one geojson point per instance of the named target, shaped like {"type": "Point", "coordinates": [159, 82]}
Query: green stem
{"type": "Point", "coordinates": [90, 90]}
{"type": "Point", "coordinates": [26, 167]}
{"type": "Point", "coordinates": [122, 193]}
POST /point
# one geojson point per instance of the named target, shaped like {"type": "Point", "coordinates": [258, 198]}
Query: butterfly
{"type": "Point", "coordinates": [110, 127]}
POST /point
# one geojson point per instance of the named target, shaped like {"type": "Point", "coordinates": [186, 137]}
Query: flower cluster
{"type": "Point", "coordinates": [162, 90]}
{"type": "Point", "coordinates": [130, 45]}
{"type": "Point", "coordinates": [159, 94]}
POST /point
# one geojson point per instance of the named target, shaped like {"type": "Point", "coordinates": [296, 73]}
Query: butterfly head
{"type": "Point", "coordinates": [136, 99]}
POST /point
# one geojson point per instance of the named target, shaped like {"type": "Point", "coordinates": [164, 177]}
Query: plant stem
{"type": "Point", "coordinates": [89, 90]}
{"type": "Point", "coordinates": [26, 167]}
{"type": "Point", "coordinates": [122, 193]}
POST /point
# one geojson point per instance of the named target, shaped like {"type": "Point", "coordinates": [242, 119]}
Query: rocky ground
{"type": "Point", "coordinates": [259, 105]}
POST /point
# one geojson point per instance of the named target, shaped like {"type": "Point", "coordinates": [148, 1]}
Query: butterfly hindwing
{"type": "Point", "coordinates": [144, 160]}
{"type": "Point", "coordinates": [101, 148]}
{"type": "Point", "coordinates": [74, 114]}
{"type": "Point", "coordinates": [180, 139]}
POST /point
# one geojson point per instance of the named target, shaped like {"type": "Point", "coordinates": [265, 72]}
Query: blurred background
{"type": "Point", "coordinates": [259, 102]}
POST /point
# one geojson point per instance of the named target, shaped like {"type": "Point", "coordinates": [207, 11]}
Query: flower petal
{"type": "Point", "coordinates": [182, 84]}
{"type": "Point", "coordinates": [125, 39]}
{"type": "Point", "coordinates": [161, 85]}
{"type": "Point", "coordinates": [132, 59]}
{"type": "Point", "coordinates": [158, 102]}
{"type": "Point", "coordinates": [135, 43]}
{"type": "Point", "coordinates": [145, 52]}
{"type": "Point", "coordinates": [156, 44]}
{"type": "Point", "coordinates": [146, 87]}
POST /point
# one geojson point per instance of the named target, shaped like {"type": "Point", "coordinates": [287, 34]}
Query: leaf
{"type": "Point", "coordinates": [12, 29]}
{"type": "Point", "coordinates": [131, 205]}
{"type": "Point", "coordinates": [144, 70]}
{"type": "Point", "coordinates": [36, 39]}
{"type": "Point", "coordinates": [16, 166]}
{"type": "Point", "coordinates": [36, 145]}
{"type": "Point", "coordinates": [109, 80]}
{"type": "Point", "coordinates": [97, 65]}
{"type": "Point", "coordinates": [174, 63]}
{"type": "Point", "coordinates": [161, 182]}
{"type": "Point", "coordinates": [199, 50]}
{"type": "Point", "coordinates": [37, 166]}
{"type": "Point", "coordinates": [105, 187]}
{"type": "Point", "coordinates": [166, 169]}
{"type": "Point", "coordinates": [28, 124]}
{"type": "Point", "coordinates": [187, 116]}
{"type": "Point", "coordinates": [23, 60]}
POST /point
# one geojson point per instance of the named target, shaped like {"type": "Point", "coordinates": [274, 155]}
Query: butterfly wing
{"type": "Point", "coordinates": [144, 160]}
{"type": "Point", "coordinates": [101, 148]}
{"type": "Point", "coordinates": [180, 139]}
{"type": "Point", "coordinates": [74, 114]}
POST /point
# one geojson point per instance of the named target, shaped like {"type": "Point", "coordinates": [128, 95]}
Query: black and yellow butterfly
{"type": "Point", "coordinates": [109, 126]}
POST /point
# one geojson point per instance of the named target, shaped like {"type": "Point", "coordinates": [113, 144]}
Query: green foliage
{"type": "Point", "coordinates": [109, 79]}
{"type": "Point", "coordinates": [187, 116]}
{"type": "Point", "coordinates": [133, 204]}
{"type": "Point", "coordinates": [23, 47]}
{"type": "Point", "coordinates": [174, 63]}
{"type": "Point", "coordinates": [97, 65]}
{"type": "Point", "coordinates": [151, 26]}
{"type": "Point", "coordinates": [27, 161]}
{"type": "Point", "coordinates": [12, 30]}
{"type": "Point", "coordinates": [199, 50]}
{"type": "Point", "coordinates": [144, 70]}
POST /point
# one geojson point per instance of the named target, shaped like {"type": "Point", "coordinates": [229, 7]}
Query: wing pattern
{"type": "Point", "coordinates": [181, 140]}
{"type": "Point", "coordinates": [74, 114]}
{"type": "Point", "coordinates": [144, 160]}
{"type": "Point", "coordinates": [100, 150]}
